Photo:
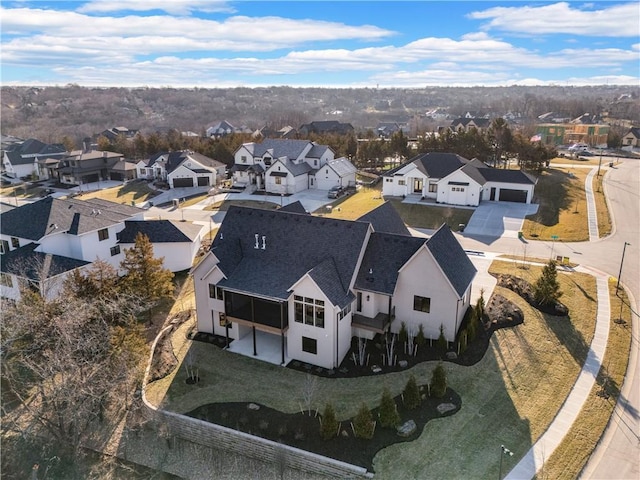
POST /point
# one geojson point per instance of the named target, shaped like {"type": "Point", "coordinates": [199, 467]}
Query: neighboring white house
{"type": "Point", "coordinates": [454, 180]}
{"type": "Point", "coordinates": [27, 267]}
{"type": "Point", "coordinates": [312, 283]}
{"type": "Point", "coordinates": [23, 159]}
{"type": "Point", "coordinates": [176, 242]}
{"type": "Point", "coordinates": [73, 233]}
{"type": "Point", "coordinates": [290, 166]}
{"type": "Point", "coordinates": [182, 169]}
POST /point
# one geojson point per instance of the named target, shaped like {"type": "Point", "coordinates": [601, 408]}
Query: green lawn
{"type": "Point", "coordinates": [509, 397]}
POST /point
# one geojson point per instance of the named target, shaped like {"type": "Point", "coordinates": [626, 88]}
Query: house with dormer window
{"type": "Point", "coordinates": [309, 284]}
{"type": "Point", "coordinates": [283, 166]}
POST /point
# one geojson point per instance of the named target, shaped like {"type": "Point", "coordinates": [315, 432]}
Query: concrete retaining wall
{"type": "Point", "coordinates": [219, 437]}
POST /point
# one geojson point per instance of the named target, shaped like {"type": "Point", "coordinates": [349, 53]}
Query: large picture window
{"type": "Point", "coordinates": [309, 345]}
{"type": "Point", "coordinates": [421, 304]}
{"type": "Point", "coordinates": [308, 311]}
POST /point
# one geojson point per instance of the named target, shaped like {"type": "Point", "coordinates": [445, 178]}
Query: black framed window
{"type": "Point", "coordinates": [103, 234]}
{"type": "Point", "coordinates": [310, 345]}
{"type": "Point", "coordinates": [421, 304]}
{"type": "Point", "coordinates": [115, 250]}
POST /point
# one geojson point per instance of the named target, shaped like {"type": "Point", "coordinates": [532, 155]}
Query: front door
{"type": "Point", "coordinates": [493, 194]}
{"type": "Point", "coordinates": [417, 185]}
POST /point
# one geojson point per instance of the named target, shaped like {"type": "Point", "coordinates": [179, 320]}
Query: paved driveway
{"type": "Point", "coordinates": [499, 219]}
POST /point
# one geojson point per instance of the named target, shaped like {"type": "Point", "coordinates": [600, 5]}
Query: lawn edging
{"type": "Point", "coordinates": [216, 436]}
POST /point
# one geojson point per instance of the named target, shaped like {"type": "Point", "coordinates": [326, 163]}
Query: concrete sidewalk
{"type": "Point", "coordinates": [592, 220]}
{"type": "Point", "coordinates": [542, 449]}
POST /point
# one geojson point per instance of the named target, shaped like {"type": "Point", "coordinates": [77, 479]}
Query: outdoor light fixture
{"type": "Point", "coordinates": [503, 451]}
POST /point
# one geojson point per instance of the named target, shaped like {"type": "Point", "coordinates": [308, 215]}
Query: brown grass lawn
{"type": "Point", "coordinates": [22, 191]}
{"type": "Point", "coordinates": [586, 161]}
{"type": "Point", "coordinates": [563, 206]}
{"type": "Point", "coordinates": [224, 205]}
{"type": "Point", "coordinates": [602, 210]}
{"type": "Point", "coordinates": [351, 207]}
{"type": "Point", "coordinates": [135, 192]}
{"type": "Point", "coordinates": [509, 397]}
{"type": "Point", "coordinates": [416, 216]}
{"type": "Point", "coordinates": [572, 454]}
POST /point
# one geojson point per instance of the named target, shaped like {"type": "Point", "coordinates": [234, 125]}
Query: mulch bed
{"type": "Point", "coordinates": [302, 430]}
{"type": "Point", "coordinates": [525, 290]}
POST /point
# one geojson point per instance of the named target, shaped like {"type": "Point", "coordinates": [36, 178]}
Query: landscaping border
{"type": "Point", "coordinates": [217, 436]}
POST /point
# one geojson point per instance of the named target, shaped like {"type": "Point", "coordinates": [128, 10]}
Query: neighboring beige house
{"type": "Point", "coordinates": [309, 284]}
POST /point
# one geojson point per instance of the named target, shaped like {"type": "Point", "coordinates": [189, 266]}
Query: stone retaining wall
{"type": "Point", "coordinates": [219, 437]}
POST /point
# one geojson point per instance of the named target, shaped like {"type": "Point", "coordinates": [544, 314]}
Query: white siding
{"type": "Point", "coordinates": [326, 178]}
{"type": "Point", "coordinates": [207, 309]}
{"type": "Point", "coordinates": [325, 337]}
{"type": "Point", "coordinates": [422, 276]}
{"type": "Point", "coordinates": [452, 194]}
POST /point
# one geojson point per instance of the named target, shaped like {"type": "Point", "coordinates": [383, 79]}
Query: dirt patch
{"type": "Point", "coordinates": [302, 430]}
{"type": "Point", "coordinates": [164, 360]}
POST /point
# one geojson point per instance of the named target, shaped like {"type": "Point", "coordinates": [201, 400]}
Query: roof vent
{"type": "Point", "coordinates": [99, 212]}
{"type": "Point", "coordinates": [221, 236]}
{"type": "Point", "coordinates": [257, 245]}
{"type": "Point", "coordinates": [264, 242]}
{"type": "Point", "coordinates": [371, 271]}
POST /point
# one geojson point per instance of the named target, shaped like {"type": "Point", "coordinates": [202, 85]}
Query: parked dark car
{"type": "Point", "coordinates": [336, 192]}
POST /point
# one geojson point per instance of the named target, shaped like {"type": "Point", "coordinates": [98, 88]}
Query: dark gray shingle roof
{"type": "Point", "coordinates": [158, 231]}
{"type": "Point", "coordinates": [452, 259]}
{"type": "Point", "coordinates": [295, 207]}
{"type": "Point", "coordinates": [385, 255]}
{"type": "Point", "coordinates": [386, 219]}
{"type": "Point", "coordinates": [53, 215]}
{"type": "Point", "coordinates": [506, 176]}
{"type": "Point", "coordinates": [25, 262]}
{"type": "Point", "coordinates": [294, 245]}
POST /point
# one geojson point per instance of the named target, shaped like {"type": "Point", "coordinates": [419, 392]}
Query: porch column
{"type": "Point", "coordinates": [255, 351]}
{"type": "Point", "coordinates": [282, 332]}
{"type": "Point", "coordinates": [226, 330]}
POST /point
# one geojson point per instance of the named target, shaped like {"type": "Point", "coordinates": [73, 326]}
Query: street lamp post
{"type": "Point", "coordinates": [503, 451]}
{"type": "Point", "coordinates": [621, 262]}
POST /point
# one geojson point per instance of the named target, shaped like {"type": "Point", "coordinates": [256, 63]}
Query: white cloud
{"type": "Point", "coordinates": [238, 33]}
{"type": "Point", "coordinates": [174, 7]}
{"type": "Point", "coordinates": [621, 20]}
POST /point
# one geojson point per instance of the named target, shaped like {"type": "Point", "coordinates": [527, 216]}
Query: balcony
{"type": "Point", "coordinates": [378, 324]}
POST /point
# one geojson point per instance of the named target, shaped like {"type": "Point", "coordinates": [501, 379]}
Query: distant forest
{"type": "Point", "coordinates": [51, 113]}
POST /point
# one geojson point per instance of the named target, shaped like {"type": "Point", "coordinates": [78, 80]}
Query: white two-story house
{"type": "Point", "coordinates": [310, 284]}
{"type": "Point", "coordinates": [54, 236]}
{"type": "Point", "coordinates": [454, 180]}
{"type": "Point", "coordinates": [283, 166]}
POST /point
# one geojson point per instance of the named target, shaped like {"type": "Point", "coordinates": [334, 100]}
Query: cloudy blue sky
{"type": "Point", "coordinates": [205, 43]}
